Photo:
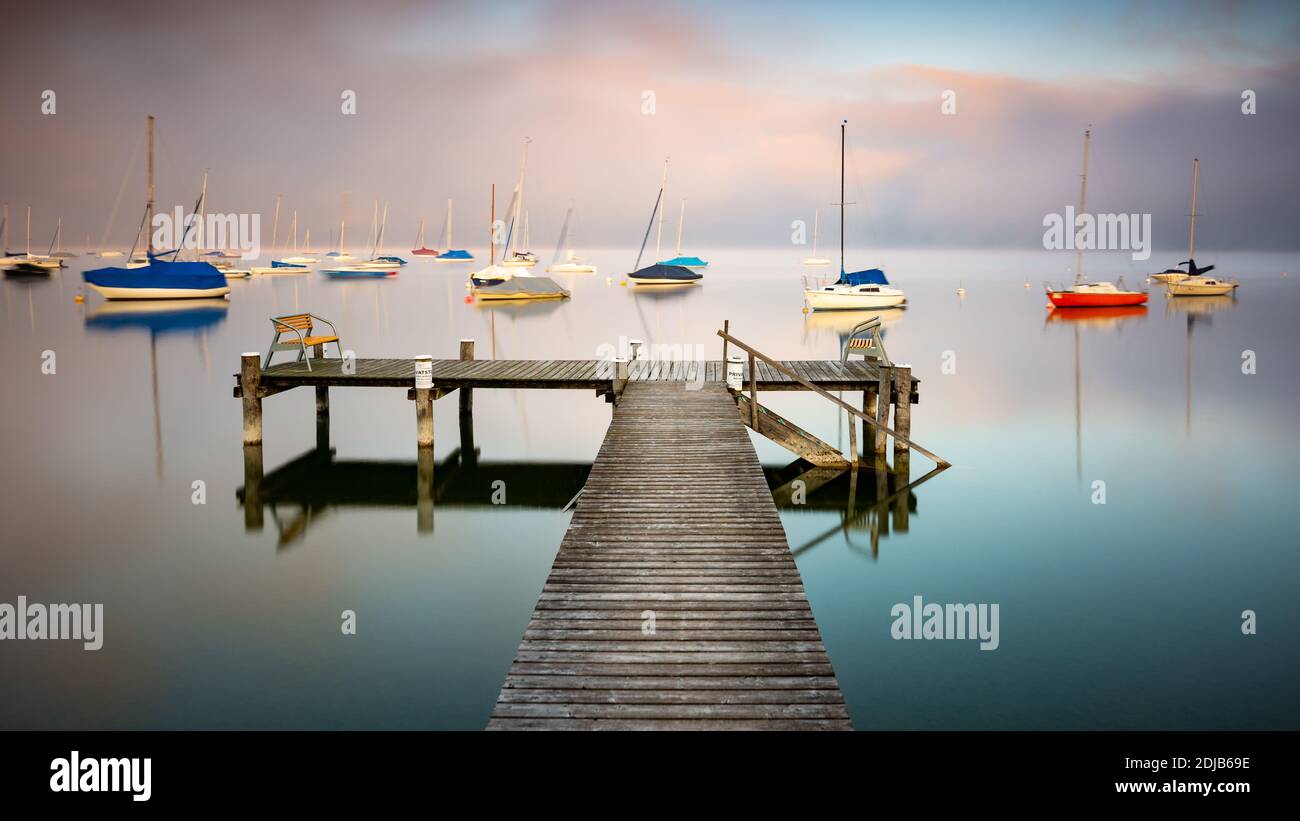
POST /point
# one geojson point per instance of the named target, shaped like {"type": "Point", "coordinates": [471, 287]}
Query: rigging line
{"type": "Point", "coordinates": [121, 189]}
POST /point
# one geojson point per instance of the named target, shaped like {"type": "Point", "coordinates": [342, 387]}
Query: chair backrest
{"type": "Point", "coordinates": [299, 322]}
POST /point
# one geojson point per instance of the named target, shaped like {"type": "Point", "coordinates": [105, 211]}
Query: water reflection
{"type": "Point", "coordinates": [185, 317]}
{"type": "Point", "coordinates": [817, 324]}
{"type": "Point", "coordinates": [1197, 309]}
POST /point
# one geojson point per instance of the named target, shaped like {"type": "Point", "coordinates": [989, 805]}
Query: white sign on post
{"type": "Point", "coordinates": [423, 372]}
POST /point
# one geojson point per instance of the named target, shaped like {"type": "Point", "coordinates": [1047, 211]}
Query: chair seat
{"type": "Point", "coordinates": [860, 342]}
{"type": "Point", "coordinates": [319, 340]}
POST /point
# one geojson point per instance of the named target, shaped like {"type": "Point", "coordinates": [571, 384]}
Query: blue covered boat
{"type": "Point", "coordinates": [663, 274]}
{"type": "Point", "coordinates": [686, 262]}
{"type": "Point", "coordinates": [457, 255]}
{"type": "Point", "coordinates": [159, 280]}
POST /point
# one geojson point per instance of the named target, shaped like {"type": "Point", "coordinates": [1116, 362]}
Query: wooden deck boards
{"type": "Point", "coordinates": [588, 374]}
{"type": "Point", "coordinates": [676, 518]}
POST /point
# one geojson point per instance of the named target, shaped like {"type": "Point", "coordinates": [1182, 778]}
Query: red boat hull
{"type": "Point", "coordinates": [1071, 299]}
{"type": "Point", "coordinates": [425, 252]}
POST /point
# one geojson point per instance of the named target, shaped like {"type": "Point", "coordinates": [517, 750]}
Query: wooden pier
{"type": "Point", "coordinates": [674, 601]}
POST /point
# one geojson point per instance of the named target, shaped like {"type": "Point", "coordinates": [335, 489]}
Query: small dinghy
{"type": "Point", "coordinates": [664, 274]}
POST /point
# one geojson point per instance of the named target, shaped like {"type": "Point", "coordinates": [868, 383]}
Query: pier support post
{"type": "Point", "coordinates": [902, 408]}
{"type": "Point", "coordinates": [424, 491]}
{"type": "Point", "coordinates": [467, 455]}
{"type": "Point", "coordinates": [621, 371]}
{"type": "Point", "coordinates": [424, 401]}
{"type": "Point", "coordinates": [882, 410]}
{"type": "Point", "coordinates": [250, 385]}
{"type": "Point", "coordinates": [753, 393]}
{"type": "Point", "coordinates": [869, 396]}
{"type": "Point", "coordinates": [253, 488]}
{"type": "Point", "coordinates": [322, 417]}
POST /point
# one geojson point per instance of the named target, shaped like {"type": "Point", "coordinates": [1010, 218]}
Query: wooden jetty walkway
{"type": "Point", "coordinates": [674, 601]}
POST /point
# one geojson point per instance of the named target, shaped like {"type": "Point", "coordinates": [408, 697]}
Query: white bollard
{"type": "Point", "coordinates": [735, 372]}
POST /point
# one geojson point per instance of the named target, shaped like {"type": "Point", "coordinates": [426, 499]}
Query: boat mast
{"type": "Point", "coordinates": [681, 220]}
{"type": "Point", "coordinates": [519, 196]}
{"type": "Point", "coordinates": [29, 230]}
{"type": "Point", "coordinates": [526, 242]}
{"type": "Point", "coordinates": [294, 229]}
{"type": "Point", "coordinates": [275, 226]}
{"type": "Point", "coordinates": [492, 219]}
{"type": "Point", "coordinates": [148, 205]}
{"type": "Point", "coordinates": [6, 229]}
{"type": "Point", "coordinates": [1083, 195]}
{"type": "Point", "coordinates": [663, 190]}
{"type": "Point", "coordinates": [494, 189]}
{"type": "Point", "coordinates": [58, 237]}
{"type": "Point", "coordinates": [203, 207]}
{"type": "Point", "coordinates": [843, 125]}
{"type": "Point", "coordinates": [1191, 239]}
{"type": "Point", "coordinates": [817, 224]}
{"type": "Point", "coordinates": [420, 240]}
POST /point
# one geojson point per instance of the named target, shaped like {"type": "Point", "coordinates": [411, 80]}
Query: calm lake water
{"type": "Point", "coordinates": [1118, 615]}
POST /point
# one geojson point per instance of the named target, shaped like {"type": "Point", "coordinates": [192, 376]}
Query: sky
{"type": "Point", "coordinates": [747, 102]}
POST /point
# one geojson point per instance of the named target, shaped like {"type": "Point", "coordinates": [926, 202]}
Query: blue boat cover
{"type": "Point", "coordinates": [870, 276]}
{"type": "Point", "coordinates": [458, 254]}
{"type": "Point", "coordinates": [685, 261]}
{"type": "Point", "coordinates": [662, 271]}
{"type": "Point", "coordinates": [275, 263]}
{"type": "Point", "coordinates": [394, 260]}
{"type": "Point", "coordinates": [177, 275]}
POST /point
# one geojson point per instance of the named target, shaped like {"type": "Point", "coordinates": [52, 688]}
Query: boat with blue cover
{"type": "Point", "coordinates": [159, 280]}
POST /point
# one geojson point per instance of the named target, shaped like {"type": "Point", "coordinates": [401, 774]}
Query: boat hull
{"type": "Point", "coordinates": [1117, 299]}
{"type": "Point", "coordinates": [1168, 278]}
{"type": "Point", "coordinates": [110, 292]}
{"type": "Point", "coordinates": [836, 301]}
{"type": "Point", "coordinates": [1191, 289]}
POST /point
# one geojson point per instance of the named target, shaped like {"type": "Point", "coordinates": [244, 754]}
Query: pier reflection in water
{"type": "Point", "coordinates": [870, 501]}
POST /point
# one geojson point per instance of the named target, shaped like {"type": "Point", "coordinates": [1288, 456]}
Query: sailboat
{"type": "Point", "coordinates": [56, 248]}
{"type": "Point", "coordinates": [564, 251]}
{"type": "Point", "coordinates": [858, 290]}
{"type": "Point", "coordinates": [817, 225]}
{"type": "Point", "coordinates": [1084, 294]}
{"type": "Point", "coordinates": [1195, 282]}
{"type": "Point", "coordinates": [452, 254]}
{"type": "Point", "coordinates": [421, 251]}
{"type": "Point", "coordinates": [30, 264]}
{"type": "Point", "coordinates": [339, 254]}
{"type": "Point", "coordinates": [514, 257]}
{"type": "Point", "coordinates": [299, 259]}
{"type": "Point", "coordinates": [499, 282]}
{"type": "Point", "coordinates": [659, 273]}
{"type": "Point", "coordinates": [374, 268]}
{"type": "Point", "coordinates": [158, 279]}
{"type": "Point", "coordinates": [678, 259]}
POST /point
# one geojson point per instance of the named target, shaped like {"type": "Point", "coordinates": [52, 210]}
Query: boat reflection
{"type": "Point", "coordinates": [1099, 318]}
{"type": "Point", "coordinates": [1196, 310]}
{"type": "Point", "coordinates": [163, 317]}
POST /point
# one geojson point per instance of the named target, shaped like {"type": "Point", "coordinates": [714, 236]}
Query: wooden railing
{"type": "Point", "coordinates": [898, 437]}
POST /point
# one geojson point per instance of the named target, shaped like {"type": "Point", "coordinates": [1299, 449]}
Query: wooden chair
{"type": "Point", "coordinates": [301, 326]}
{"type": "Point", "coordinates": [865, 340]}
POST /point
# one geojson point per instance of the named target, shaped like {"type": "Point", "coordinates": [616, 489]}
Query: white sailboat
{"type": "Point", "coordinates": [1194, 282]}
{"type": "Point", "coordinates": [817, 224]}
{"type": "Point", "coordinates": [565, 261]}
{"type": "Point", "coordinates": [298, 258]}
{"type": "Point", "coordinates": [514, 257]}
{"type": "Point", "coordinates": [853, 290]}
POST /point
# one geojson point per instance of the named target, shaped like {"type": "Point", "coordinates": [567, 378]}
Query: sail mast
{"type": "Point", "coordinates": [29, 230]}
{"type": "Point", "coordinates": [1191, 239]}
{"type": "Point", "coordinates": [203, 207]}
{"type": "Point", "coordinates": [148, 206]}
{"type": "Point", "coordinates": [494, 189]}
{"type": "Point", "coordinates": [492, 219]}
{"type": "Point", "coordinates": [275, 226]}
{"type": "Point", "coordinates": [519, 197]}
{"type": "Point", "coordinates": [1083, 195]}
{"type": "Point", "coordinates": [663, 189]}
{"type": "Point", "coordinates": [817, 224]}
{"type": "Point", "coordinates": [681, 220]}
{"type": "Point", "coordinates": [843, 125]}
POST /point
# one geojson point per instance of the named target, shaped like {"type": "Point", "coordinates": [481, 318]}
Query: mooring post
{"type": "Point", "coordinates": [424, 401]}
{"type": "Point", "coordinates": [869, 394]}
{"type": "Point", "coordinates": [902, 408]}
{"type": "Point", "coordinates": [726, 329]}
{"type": "Point", "coordinates": [621, 371]}
{"type": "Point", "coordinates": [753, 393]}
{"type": "Point", "coordinates": [882, 410]}
{"type": "Point", "coordinates": [424, 490]}
{"type": "Point", "coordinates": [322, 417]}
{"type": "Point", "coordinates": [853, 441]}
{"type": "Point", "coordinates": [250, 386]}
{"type": "Point", "coordinates": [467, 455]}
{"type": "Point", "coordinates": [252, 488]}
{"type": "Point", "coordinates": [902, 475]}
